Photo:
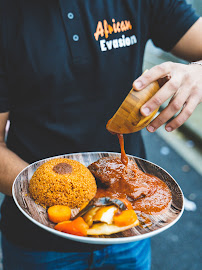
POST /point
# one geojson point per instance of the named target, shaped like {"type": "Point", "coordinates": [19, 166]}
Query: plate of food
{"type": "Point", "coordinates": [95, 198]}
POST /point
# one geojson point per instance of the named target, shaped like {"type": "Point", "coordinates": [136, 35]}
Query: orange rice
{"type": "Point", "coordinates": [48, 187]}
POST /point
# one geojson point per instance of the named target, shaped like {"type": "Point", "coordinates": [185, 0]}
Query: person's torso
{"type": "Point", "coordinates": [70, 64]}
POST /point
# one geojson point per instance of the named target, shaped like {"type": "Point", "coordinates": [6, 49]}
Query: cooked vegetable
{"type": "Point", "coordinates": [59, 213]}
{"type": "Point", "coordinates": [103, 201]}
{"type": "Point", "coordinates": [127, 203]}
{"type": "Point", "coordinates": [88, 217]}
{"type": "Point", "coordinates": [125, 218]}
{"type": "Point", "coordinates": [77, 227]}
{"type": "Point", "coordinates": [101, 216]}
{"type": "Point", "coordinates": [105, 214]}
{"type": "Point", "coordinates": [107, 229]}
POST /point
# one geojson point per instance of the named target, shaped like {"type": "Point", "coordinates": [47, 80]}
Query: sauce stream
{"type": "Point", "coordinates": [121, 178]}
{"type": "Point", "coordinates": [124, 158]}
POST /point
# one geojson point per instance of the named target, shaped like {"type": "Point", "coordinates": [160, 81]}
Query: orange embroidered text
{"type": "Point", "coordinates": [104, 29]}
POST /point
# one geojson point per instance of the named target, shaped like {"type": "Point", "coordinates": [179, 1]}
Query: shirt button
{"type": "Point", "coordinates": [75, 37]}
{"type": "Point", "coordinates": [70, 15]}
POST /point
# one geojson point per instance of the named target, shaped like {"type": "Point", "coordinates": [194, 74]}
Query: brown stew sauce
{"type": "Point", "coordinates": [124, 158]}
{"type": "Point", "coordinates": [123, 179]}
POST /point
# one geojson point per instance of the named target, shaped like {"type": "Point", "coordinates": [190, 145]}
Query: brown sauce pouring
{"type": "Point", "coordinates": [124, 158]}
{"type": "Point", "coordinates": [151, 195]}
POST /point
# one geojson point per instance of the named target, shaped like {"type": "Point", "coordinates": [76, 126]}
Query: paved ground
{"type": "Point", "coordinates": [180, 246]}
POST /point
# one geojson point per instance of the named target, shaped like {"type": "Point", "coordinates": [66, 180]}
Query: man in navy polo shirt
{"type": "Point", "coordinates": [65, 67]}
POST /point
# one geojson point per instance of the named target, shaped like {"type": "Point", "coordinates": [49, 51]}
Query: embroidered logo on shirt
{"type": "Point", "coordinates": [104, 30]}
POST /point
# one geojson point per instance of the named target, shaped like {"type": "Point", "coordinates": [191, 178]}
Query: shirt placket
{"type": "Point", "coordinates": [74, 31]}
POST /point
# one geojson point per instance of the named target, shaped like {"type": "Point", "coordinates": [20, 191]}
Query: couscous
{"type": "Point", "coordinates": [62, 181]}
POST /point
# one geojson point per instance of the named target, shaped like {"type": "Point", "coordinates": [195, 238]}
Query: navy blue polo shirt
{"type": "Point", "coordinates": [65, 67]}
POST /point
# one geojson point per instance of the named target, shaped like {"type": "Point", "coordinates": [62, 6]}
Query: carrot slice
{"type": "Point", "coordinates": [76, 227]}
{"type": "Point", "coordinates": [127, 203]}
{"type": "Point", "coordinates": [127, 217]}
{"type": "Point", "coordinates": [59, 213]}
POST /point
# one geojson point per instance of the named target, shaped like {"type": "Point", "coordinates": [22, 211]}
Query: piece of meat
{"type": "Point", "coordinates": [107, 170]}
{"type": "Point", "coordinates": [147, 193]}
{"type": "Point", "coordinates": [119, 179]}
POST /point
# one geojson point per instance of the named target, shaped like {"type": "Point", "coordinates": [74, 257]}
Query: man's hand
{"type": "Point", "coordinates": [10, 163]}
{"type": "Point", "coordinates": [182, 83]}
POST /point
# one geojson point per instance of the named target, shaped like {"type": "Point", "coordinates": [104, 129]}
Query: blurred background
{"type": "Point", "coordinates": [180, 153]}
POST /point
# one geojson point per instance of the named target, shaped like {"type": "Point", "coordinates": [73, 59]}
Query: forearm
{"type": "Point", "coordinates": [190, 45]}
{"type": "Point", "coordinates": [10, 166]}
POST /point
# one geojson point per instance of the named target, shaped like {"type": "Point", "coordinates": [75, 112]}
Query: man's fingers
{"type": "Point", "coordinates": [176, 104]}
{"type": "Point", "coordinates": [173, 107]}
{"type": "Point", "coordinates": [179, 82]}
{"type": "Point", "coordinates": [165, 92]}
{"type": "Point", "coordinates": [185, 113]}
{"type": "Point", "coordinates": [167, 114]}
{"type": "Point", "coordinates": [152, 75]}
